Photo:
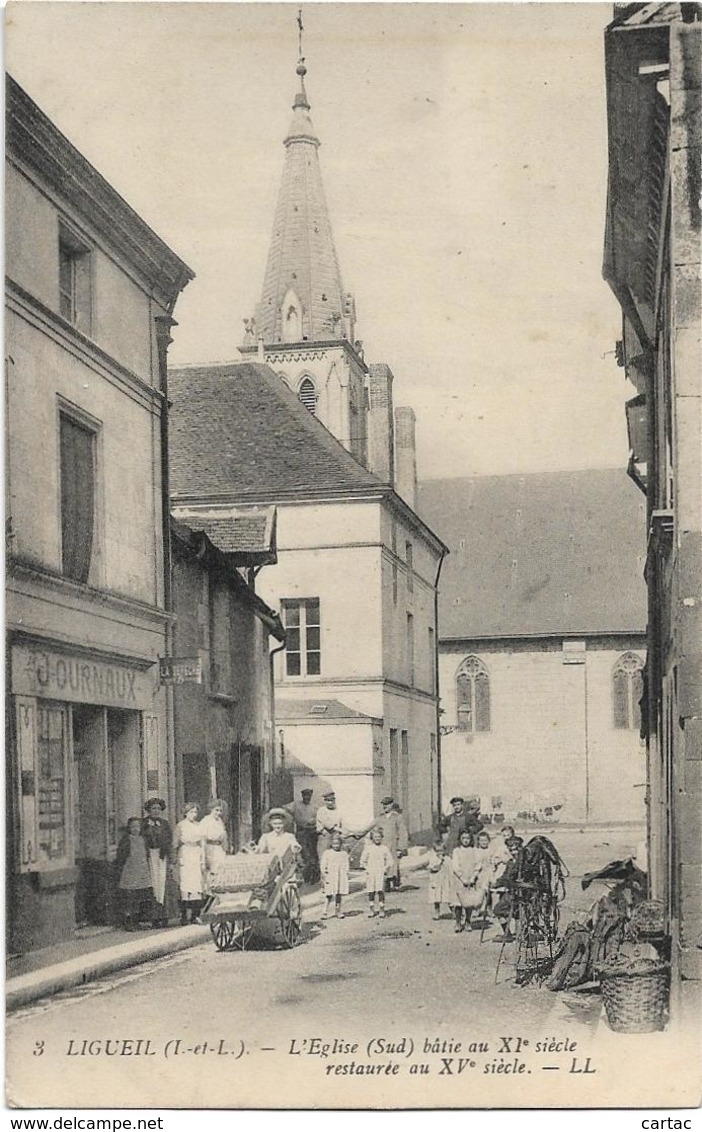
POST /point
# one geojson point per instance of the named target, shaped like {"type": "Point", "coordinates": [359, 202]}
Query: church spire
{"type": "Point", "coordinates": [302, 297]}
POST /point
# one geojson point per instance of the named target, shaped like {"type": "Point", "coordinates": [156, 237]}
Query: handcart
{"type": "Point", "coordinates": [254, 895]}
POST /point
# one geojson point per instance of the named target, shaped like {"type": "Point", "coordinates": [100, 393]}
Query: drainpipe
{"type": "Point", "coordinates": [164, 324]}
{"type": "Point", "coordinates": [439, 808]}
{"type": "Point", "coordinates": [271, 654]}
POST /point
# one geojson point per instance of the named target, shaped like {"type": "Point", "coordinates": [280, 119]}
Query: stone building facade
{"type": "Point", "coordinates": [652, 261]}
{"type": "Point", "coordinates": [90, 292]}
{"type": "Point", "coordinates": [542, 616]}
{"type": "Point", "coordinates": [355, 583]}
{"type": "Point", "coordinates": [223, 722]}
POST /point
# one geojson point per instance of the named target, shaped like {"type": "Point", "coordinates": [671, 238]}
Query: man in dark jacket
{"type": "Point", "coordinates": [464, 817]}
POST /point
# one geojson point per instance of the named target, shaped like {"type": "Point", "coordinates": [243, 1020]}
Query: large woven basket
{"type": "Point", "coordinates": [244, 871]}
{"type": "Point", "coordinates": [635, 996]}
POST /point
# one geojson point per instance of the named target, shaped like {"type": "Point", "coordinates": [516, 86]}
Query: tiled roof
{"type": "Point", "coordinates": [237, 430]}
{"type": "Point", "coordinates": [553, 553]}
{"type": "Point", "coordinates": [317, 711]}
{"type": "Point", "coordinates": [247, 534]}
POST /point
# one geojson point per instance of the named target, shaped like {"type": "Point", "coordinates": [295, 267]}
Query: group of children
{"type": "Point", "coordinates": [376, 860]}
{"type": "Point", "coordinates": [467, 878]}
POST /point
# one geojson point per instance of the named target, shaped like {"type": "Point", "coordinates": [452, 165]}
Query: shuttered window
{"type": "Point", "coordinates": [308, 395]}
{"type": "Point", "coordinates": [77, 443]}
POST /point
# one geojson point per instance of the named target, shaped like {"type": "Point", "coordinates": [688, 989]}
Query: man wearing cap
{"type": "Point", "coordinates": [327, 821]}
{"type": "Point", "coordinates": [394, 836]}
{"type": "Point", "coordinates": [455, 824]}
{"type": "Point", "coordinates": [304, 816]}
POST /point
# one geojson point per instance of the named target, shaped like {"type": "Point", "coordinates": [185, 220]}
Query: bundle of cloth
{"type": "Point", "coordinates": [587, 944]}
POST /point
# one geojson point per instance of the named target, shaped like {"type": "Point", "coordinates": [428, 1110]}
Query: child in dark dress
{"type": "Point", "coordinates": [506, 886]}
{"type": "Point", "coordinates": [134, 877]}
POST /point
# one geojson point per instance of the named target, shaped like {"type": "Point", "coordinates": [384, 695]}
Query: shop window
{"type": "Point", "coordinates": [43, 754]}
{"type": "Point", "coordinates": [473, 696]}
{"type": "Point", "coordinates": [75, 279]}
{"type": "Point", "coordinates": [302, 620]}
{"type": "Point", "coordinates": [77, 456]}
{"type": "Point", "coordinates": [627, 692]}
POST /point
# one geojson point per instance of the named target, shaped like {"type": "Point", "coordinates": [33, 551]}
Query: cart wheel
{"type": "Point", "coordinates": [242, 932]}
{"type": "Point", "coordinates": [290, 914]}
{"type": "Point", "coordinates": [222, 934]}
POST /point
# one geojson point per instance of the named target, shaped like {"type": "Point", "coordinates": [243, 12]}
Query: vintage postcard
{"type": "Point", "coordinates": [354, 556]}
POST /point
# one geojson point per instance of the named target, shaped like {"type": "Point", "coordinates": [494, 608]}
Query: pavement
{"type": "Point", "coordinates": [94, 953]}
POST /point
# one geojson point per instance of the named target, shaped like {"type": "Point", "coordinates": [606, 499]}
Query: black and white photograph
{"type": "Point", "coordinates": [353, 501]}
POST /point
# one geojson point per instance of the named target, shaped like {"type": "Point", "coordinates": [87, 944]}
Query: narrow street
{"type": "Point", "coordinates": [211, 1024]}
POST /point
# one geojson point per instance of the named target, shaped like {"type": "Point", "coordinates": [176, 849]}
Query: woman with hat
{"type": "Point", "coordinates": [189, 847]}
{"type": "Point", "coordinates": [158, 837]}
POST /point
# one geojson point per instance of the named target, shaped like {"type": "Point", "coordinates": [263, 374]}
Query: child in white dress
{"type": "Point", "coordinates": [441, 885]}
{"type": "Point", "coordinates": [378, 862]}
{"type": "Point", "coordinates": [334, 867]}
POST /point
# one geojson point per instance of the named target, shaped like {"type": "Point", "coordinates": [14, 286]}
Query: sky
{"type": "Point", "coordinates": [464, 157]}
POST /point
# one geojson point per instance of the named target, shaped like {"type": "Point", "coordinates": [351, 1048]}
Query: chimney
{"type": "Point", "coordinates": [381, 445]}
{"type": "Point", "coordinates": [406, 456]}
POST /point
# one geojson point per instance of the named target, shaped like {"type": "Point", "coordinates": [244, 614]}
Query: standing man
{"type": "Point", "coordinates": [304, 816]}
{"type": "Point", "coordinates": [472, 809]}
{"type": "Point", "coordinates": [454, 825]}
{"type": "Point", "coordinates": [395, 836]}
{"type": "Point", "coordinates": [327, 822]}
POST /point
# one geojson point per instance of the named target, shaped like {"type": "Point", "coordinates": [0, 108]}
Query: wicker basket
{"type": "Point", "coordinates": [635, 996]}
{"type": "Point", "coordinates": [244, 871]}
{"type": "Point", "coordinates": [647, 920]}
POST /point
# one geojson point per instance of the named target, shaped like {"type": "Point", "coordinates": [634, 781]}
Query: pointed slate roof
{"type": "Point", "coordinates": [302, 258]}
{"type": "Point", "coordinates": [237, 432]}
{"type": "Point", "coordinates": [555, 553]}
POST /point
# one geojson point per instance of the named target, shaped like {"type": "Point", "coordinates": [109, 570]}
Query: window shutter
{"type": "Point", "coordinates": [149, 747]}
{"type": "Point", "coordinates": [26, 723]}
{"type": "Point", "coordinates": [77, 498]}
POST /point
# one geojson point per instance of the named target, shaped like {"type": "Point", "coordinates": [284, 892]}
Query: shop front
{"type": "Point", "coordinates": [88, 745]}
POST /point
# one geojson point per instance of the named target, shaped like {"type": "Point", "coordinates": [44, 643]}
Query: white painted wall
{"type": "Point", "coordinates": [543, 746]}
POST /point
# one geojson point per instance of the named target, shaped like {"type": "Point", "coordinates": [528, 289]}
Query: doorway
{"type": "Point", "coordinates": [89, 781]}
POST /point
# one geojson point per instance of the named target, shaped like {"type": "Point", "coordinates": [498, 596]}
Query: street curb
{"type": "Point", "coordinates": [87, 968]}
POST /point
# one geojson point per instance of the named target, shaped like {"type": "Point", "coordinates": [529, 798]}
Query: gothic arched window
{"type": "Point", "coordinates": [308, 395]}
{"type": "Point", "coordinates": [473, 695]}
{"type": "Point", "coordinates": [627, 690]}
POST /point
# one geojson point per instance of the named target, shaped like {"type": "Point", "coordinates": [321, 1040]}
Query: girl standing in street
{"type": "Point", "coordinates": [378, 862]}
{"type": "Point", "coordinates": [441, 886]}
{"type": "Point", "coordinates": [134, 876]}
{"type": "Point", "coordinates": [467, 865]}
{"type": "Point", "coordinates": [334, 866]}
{"type": "Point", "coordinates": [188, 846]}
